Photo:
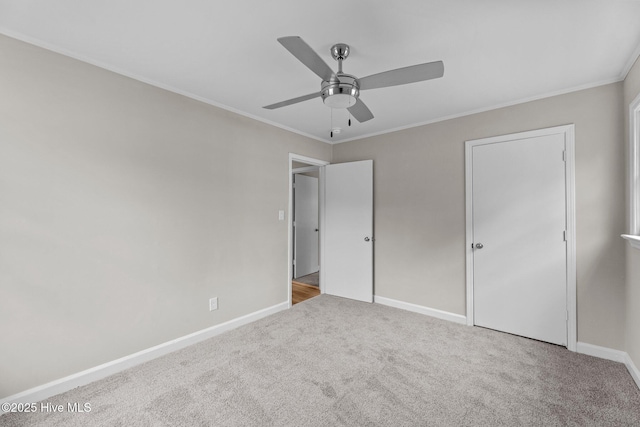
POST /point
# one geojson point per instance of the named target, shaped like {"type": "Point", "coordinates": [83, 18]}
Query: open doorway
{"type": "Point", "coordinates": [345, 227]}
{"type": "Point", "coordinates": [305, 282]}
{"type": "Point", "coordinates": [305, 227]}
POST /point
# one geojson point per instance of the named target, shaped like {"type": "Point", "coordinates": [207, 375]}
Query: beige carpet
{"type": "Point", "coordinates": [335, 362]}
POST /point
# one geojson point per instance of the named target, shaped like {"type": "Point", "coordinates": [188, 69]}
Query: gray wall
{"type": "Point", "coordinates": [420, 213]}
{"type": "Point", "coordinates": [631, 91]}
{"type": "Point", "coordinates": [123, 209]}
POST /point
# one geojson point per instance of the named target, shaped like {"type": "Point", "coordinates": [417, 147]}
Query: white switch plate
{"type": "Point", "coordinates": [281, 215]}
{"type": "Point", "coordinates": [213, 303]}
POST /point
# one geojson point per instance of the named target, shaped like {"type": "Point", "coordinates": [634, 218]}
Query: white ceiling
{"type": "Point", "coordinates": [496, 52]}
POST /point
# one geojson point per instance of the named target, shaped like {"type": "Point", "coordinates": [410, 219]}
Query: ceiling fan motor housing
{"type": "Point", "coordinates": [341, 93]}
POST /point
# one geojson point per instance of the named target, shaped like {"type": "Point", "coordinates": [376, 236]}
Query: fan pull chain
{"type": "Point", "coordinates": [331, 122]}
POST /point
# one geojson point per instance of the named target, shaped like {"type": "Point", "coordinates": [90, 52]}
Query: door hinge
{"type": "Point", "coordinates": [294, 223]}
{"type": "Point", "coordinates": [566, 317]}
{"type": "Point", "coordinates": [564, 235]}
{"type": "Point", "coordinates": [564, 155]}
{"type": "Point", "coordinates": [294, 262]}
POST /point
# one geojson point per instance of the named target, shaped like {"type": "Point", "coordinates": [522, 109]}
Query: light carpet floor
{"type": "Point", "coordinates": [334, 362]}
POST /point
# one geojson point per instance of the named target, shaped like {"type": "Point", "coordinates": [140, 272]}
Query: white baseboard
{"type": "Point", "coordinates": [611, 354]}
{"type": "Point", "coordinates": [601, 352]}
{"type": "Point", "coordinates": [581, 347]}
{"type": "Point", "coordinates": [633, 369]}
{"type": "Point", "coordinates": [61, 385]}
{"type": "Point", "coordinates": [444, 315]}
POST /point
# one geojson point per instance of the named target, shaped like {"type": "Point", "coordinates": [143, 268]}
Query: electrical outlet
{"type": "Point", "coordinates": [213, 303]}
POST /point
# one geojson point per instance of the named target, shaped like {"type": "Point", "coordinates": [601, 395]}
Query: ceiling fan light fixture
{"type": "Point", "coordinates": [342, 93]}
{"type": "Point", "coordinates": [339, 101]}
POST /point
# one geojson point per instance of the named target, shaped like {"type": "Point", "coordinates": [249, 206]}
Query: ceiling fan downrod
{"type": "Point", "coordinates": [340, 52]}
{"type": "Point", "coordinates": [342, 90]}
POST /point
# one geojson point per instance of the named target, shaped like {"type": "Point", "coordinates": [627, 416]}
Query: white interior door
{"type": "Point", "coordinates": [348, 240]}
{"type": "Point", "coordinates": [305, 196]}
{"type": "Point", "coordinates": [519, 228]}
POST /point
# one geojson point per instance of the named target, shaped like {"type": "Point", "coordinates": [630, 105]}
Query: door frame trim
{"type": "Point", "coordinates": [296, 176]}
{"type": "Point", "coordinates": [315, 162]}
{"type": "Point", "coordinates": [569, 136]}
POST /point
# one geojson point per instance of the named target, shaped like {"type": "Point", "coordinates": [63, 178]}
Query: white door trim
{"type": "Point", "coordinates": [315, 162]}
{"type": "Point", "coordinates": [306, 218]}
{"type": "Point", "coordinates": [569, 134]}
{"type": "Point", "coordinates": [305, 169]}
{"type": "Point", "coordinates": [634, 166]}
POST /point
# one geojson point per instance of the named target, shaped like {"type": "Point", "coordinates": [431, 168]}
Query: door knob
{"type": "Point", "coordinates": [366, 239]}
{"type": "Point", "coordinates": [479, 246]}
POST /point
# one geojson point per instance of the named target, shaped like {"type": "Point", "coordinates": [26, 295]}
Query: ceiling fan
{"type": "Point", "coordinates": [341, 90]}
